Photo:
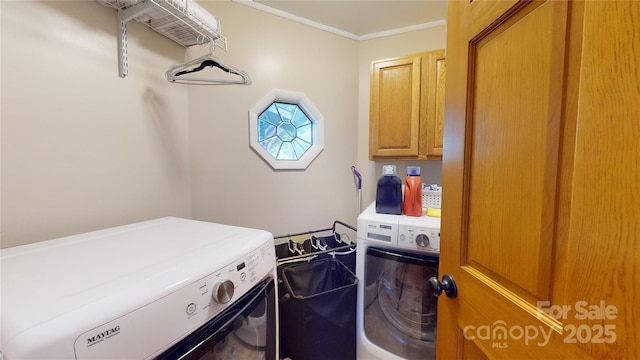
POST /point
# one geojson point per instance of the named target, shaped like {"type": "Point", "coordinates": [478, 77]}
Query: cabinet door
{"type": "Point", "coordinates": [433, 132]}
{"type": "Point", "coordinates": [395, 108]}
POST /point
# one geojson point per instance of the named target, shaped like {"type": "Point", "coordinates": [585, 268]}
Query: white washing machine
{"type": "Point", "coordinates": [396, 310]}
{"type": "Point", "coordinates": [164, 288]}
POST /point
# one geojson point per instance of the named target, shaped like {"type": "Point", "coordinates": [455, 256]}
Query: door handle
{"type": "Point", "coordinates": [448, 285]}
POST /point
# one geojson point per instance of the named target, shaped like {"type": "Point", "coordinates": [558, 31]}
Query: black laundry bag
{"type": "Point", "coordinates": [318, 311]}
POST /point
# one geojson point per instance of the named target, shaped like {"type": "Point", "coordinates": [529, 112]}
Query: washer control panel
{"type": "Point", "coordinates": [415, 233]}
{"type": "Point", "coordinates": [419, 238]}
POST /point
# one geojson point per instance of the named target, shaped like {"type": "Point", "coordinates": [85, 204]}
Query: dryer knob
{"type": "Point", "coordinates": [223, 291]}
{"type": "Point", "coordinates": [422, 240]}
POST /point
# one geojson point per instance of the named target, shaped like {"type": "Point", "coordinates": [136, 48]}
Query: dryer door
{"type": "Point", "coordinates": [245, 330]}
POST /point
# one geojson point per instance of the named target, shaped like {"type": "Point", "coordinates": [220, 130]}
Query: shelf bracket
{"type": "Point", "coordinates": [125, 16]}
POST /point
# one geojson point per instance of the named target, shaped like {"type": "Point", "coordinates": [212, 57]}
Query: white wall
{"type": "Point", "coordinates": [82, 148]}
{"type": "Point", "coordinates": [334, 72]}
{"type": "Point", "coordinates": [231, 183]}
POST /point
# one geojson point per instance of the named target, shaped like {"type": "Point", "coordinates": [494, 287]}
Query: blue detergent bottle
{"type": "Point", "coordinates": [389, 192]}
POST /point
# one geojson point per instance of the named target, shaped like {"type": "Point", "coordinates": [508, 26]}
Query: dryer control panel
{"type": "Point", "coordinates": [177, 313]}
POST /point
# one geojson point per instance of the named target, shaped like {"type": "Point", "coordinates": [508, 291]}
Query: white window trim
{"type": "Point", "coordinates": [292, 97]}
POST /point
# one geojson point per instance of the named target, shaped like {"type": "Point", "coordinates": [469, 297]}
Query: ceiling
{"type": "Point", "coordinates": [358, 19]}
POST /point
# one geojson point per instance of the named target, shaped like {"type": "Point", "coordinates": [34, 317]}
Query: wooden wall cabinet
{"type": "Point", "coordinates": [407, 107]}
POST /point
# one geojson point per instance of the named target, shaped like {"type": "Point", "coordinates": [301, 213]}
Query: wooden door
{"type": "Point", "coordinates": [541, 181]}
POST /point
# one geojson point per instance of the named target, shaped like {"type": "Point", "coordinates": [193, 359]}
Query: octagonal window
{"type": "Point", "coordinates": [286, 129]}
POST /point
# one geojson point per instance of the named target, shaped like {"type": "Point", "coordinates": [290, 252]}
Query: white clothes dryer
{"type": "Point", "coordinates": [167, 288]}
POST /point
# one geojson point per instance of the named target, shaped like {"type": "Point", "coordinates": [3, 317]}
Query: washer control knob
{"type": "Point", "coordinates": [223, 291]}
{"type": "Point", "coordinates": [422, 240]}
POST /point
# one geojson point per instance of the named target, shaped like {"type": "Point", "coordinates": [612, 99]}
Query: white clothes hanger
{"type": "Point", "coordinates": [179, 73]}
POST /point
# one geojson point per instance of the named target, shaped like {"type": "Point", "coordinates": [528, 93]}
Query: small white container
{"type": "Point", "coordinates": [431, 196]}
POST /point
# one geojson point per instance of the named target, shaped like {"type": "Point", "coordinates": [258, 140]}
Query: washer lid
{"type": "Point", "coordinates": [74, 283]}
